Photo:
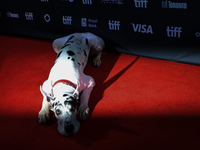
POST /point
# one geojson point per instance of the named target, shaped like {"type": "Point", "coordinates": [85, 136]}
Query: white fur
{"type": "Point", "coordinates": [65, 68]}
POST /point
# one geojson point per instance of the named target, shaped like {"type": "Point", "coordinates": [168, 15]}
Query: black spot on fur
{"type": "Point", "coordinates": [70, 53]}
{"type": "Point", "coordinates": [71, 37]}
{"type": "Point", "coordinates": [59, 54]}
{"type": "Point", "coordinates": [86, 41]}
{"type": "Point", "coordinates": [85, 53]}
{"type": "Point", "coordinates": [68, 58]}
{"type": "Point", "coordinates": [79, 64]}
{"type": "Point", "coordinates": [54, 63]}
{"type": "Point", "coordinates": [83, 64]}
{"type": "Point", "coordinates": [73, 59]}
{"type": "Point", "coordinates": [64, 95]}
{"type": "Point", "coordinates": [65, 46]}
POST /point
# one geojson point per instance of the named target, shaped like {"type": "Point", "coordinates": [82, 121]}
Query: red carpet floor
{"type": "Point", "coordinates": [138, 103]}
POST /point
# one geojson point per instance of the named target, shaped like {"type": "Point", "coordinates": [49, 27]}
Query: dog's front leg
{"type": "Point", "coordinates": [83, 111]}
{"type": "Point", "coordinates": [44, 114]}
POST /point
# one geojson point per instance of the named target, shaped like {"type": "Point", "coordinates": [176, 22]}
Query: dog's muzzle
{"type": "Point", "coordinates": [69, 127]}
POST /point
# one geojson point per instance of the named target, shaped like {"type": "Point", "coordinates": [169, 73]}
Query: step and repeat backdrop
{"type": "Point", "coordinates": [166, 29]}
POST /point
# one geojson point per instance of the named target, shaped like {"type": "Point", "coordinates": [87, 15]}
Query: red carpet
{"type": "Point", "coordinates": [138, 103]}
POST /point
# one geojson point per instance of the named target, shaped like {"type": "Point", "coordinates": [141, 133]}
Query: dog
{"type": "Point", "coordinates": [67, 90]}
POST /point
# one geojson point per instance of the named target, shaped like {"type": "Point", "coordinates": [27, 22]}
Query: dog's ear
{"type": "Point", "coordinates": [49, 97]}
{"type": "Point", "coordinates": [76, 93]}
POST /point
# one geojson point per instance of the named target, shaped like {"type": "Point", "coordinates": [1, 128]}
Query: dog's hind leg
{"type": "Point", "coordinates": [96, 46]}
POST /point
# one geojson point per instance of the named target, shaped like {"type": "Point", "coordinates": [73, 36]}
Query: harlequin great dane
{"type": "Point", "coordinates": [67, 90]}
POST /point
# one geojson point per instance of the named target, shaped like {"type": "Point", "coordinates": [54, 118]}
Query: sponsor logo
{"type": "Point", "coordinates": [91, 23]}
{"type": "Point", "coordinates": [68, 0]}
{"type": "Point", "coordinates": [197, 34]}
{"type": "Point", "coordinates": [120, 2]}
{"type": "Point", "coordinates": [113, 25]}
{"type": "Point", "coordinates": [173, 5]}
{"type": "Point", "coordinates": [142, 28]}
{"type": "Point", "coordinates": [47, 18]}
{"type": "Point", "coordinates": [67, 20]}
{"type": "Point", "coordinates": [44, 0]}
{"type": "Point", "coordinates": [140, 3]}
{"type": "Point", "coordinates": [174, 31]}
{"type": "Point", "coordinates": [87, 2]}
{"type": "Point", "coordinates": [12, 15]}
{"type": "Point", "coordinates": [29, 15]}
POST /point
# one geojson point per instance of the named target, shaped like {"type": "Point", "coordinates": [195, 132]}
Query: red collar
{"type": "Point", "coordinates": [66, 82]}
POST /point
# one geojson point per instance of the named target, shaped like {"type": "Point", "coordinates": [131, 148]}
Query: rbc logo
{"type": "Point", "coordinates": [174, 31]}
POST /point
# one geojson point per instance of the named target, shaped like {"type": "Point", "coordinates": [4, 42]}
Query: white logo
{"type": "Point", "coordinates": [84, 22]}
{"type": "Point", "coordinates": [12, 15]}
{"type": "Point", "coordinates": [44, 0]}
{"type": "Point", "coordinates": [175, 5]}
{"type": "Point", "coordinates": [113, 25]}
{"type": "Point", "coordinates": [112, 1]}
{"type": "Point", "coordinates": [142, 28]}
{"type": "Point", "coordinates": [87, 2]}
{"type": "Point", "coordinates": [67, 20]}
{"type": "Point", "coordinates": [29, 15]}
{"type": "Point", "coordinates": [197, 34]}
{"type": "Point", "coordinates": [68, 0]}
{"type": "Point", "coordinates": [174, 31]}
{"type": "Point", "coordinates": [47, 18]}
{"type": "Point", "coordinates": [92, 23]}
{"type": "Point", "coordinates": [141, 3]}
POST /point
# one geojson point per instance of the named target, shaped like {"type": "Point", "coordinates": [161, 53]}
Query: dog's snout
{"type": "Point", "coordinates": [69, 127]}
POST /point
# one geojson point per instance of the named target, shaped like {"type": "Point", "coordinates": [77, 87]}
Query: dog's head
{"type": "Point", "coordinates": [65, 107]}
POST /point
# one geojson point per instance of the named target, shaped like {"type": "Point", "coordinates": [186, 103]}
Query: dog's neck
{"type": "Point", "coordinates": [61, 88]}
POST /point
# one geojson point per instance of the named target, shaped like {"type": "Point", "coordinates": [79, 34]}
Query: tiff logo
{"type": "Point", "coordinates": [174, 31]}
{"type": "Point", "coordinates": [140, 3]}
{"type": "Point", "coordinates": [142, 28]}
{"type": "Point", "coordinates": [87, 2]}
{"type": "Point", "coordinates": [113, 25]}
{"type": "Point", "coordinates": [29, 15]}
{"type": "Point", "coordinates": [67, 20]}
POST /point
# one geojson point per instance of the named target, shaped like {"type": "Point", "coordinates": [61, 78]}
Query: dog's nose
{"type": "Point", "coordinates": [69, 127]}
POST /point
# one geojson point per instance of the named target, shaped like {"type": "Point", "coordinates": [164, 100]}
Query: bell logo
{"type": "Point", "coordinates": [174, 31]}
{"type": "Point", "coordinates": [142, 28]}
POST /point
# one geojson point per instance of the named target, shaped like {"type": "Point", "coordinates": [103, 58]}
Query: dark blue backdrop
{"type": "Point", "coordinates": [160, 29]}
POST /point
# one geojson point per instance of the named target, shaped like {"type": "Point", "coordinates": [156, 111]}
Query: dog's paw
{"type": "Point", "coordinates": [97, 62]}
{"type": "Point", "coordinates": [83, 113]}
{"type": "Point", "coordinates": [43, 117]}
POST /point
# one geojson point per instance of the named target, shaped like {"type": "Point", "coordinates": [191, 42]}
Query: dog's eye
{"type": "Point", "coordinates": [58, 112]}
